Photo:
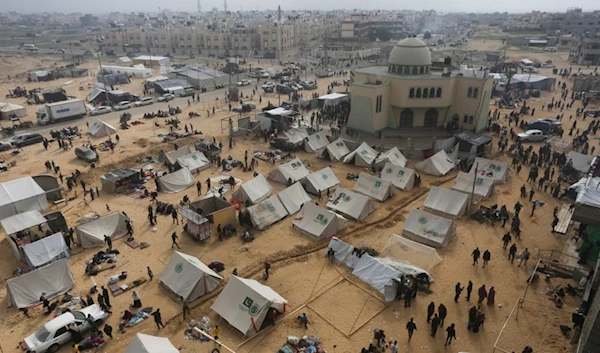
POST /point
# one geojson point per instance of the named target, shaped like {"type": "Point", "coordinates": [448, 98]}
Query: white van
{"type": "Point", "coordinates": [550, 49]}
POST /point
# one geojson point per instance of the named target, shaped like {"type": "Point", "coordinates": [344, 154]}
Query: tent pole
{"type": "Point", "coordinates": [473, 189]}
{"type": "Point", "coordinates": [212, 339]}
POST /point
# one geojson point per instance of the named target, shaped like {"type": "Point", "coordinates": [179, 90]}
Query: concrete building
{"type": "Point", "coordinates": [586, 50]}
{"type": "Point", "coordinates": [574, 21]}
{"type": "Point", "coordinates": [406, 96]}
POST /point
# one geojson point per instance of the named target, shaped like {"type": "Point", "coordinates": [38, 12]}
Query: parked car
{"type": "Point", "coordinates": [187, 93]}
{"type": "Point", "coordinates": [166, 97]}
{"type": "Point", "coordinates": [144, 101]}
{"type": "Point", "coordinates": [209, 149]}
{"type": "Point", "coordinates": [593, 113]}
{"type": "Point", "coordinates": [308, 85]}
{"type": "Point", "coordinates": [246, 107]}
{"type": "Point", "coordinates": [284, 89]}
{"type": "Point", "coordinates": [5, 146]}
{"type": "Point", "coordinates": [551, 121]}
{"type": "Point", "coordinates": [531, 70]}
{"type": "Point", "coordinates": [538, 125]}
{"type": "Point", "coordinates": [532, 136]}
{"type": "Point", "coordinates": [122, 105]}
{"type": "Point", "coordinates": [86, 154]}
{"type": "Point", "coordinates": [101, 110]}
{"type": "Point", "coordinates": [243, 82]}
{"type": "Point", "coordinates": [548, 65]}
{"type": "Point", "coordinates": [535, 93]}
{"type": "Point", "coordinates": [55, 332]}
{"type": "Point", "coordinates": [25, 140]}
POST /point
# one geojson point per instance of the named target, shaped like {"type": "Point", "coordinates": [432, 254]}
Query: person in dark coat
{"type": "Point", "coordinates": [158, 319]}
{"type": "Point", "coordinates": [430, 311]}
{"type": "Point", "coordinates": [105, 296]}
{"type": "Point", "coordinates": [108, 242]}
{"type": "Point", "coordinates": [475, 254]}
{"type": "Point", "coordinates": [411, 327]}
{"type": "Point", "coordinates": [108, 330]}
{"type": "Point", "coordinates": [435, 323]}
{"type": "Point", "coordinates": [457, 291]}
{"type": "Point", "coordinates": [469, 290]}
{"type": "Point", "coordinates": [491, 296]}
{"type": "Point", "coordinates": [482, 292]}
{"type": "Point", "coordinates": [451, 334]}
{"type": "Point", "coordinates": [487, 256]}
{"type": "Point", "coordinates": [442, 313]}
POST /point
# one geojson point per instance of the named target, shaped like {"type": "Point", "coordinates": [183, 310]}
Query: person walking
{"type": "Point", "coordinates": [174, 215]}
{"type": "Point", "coordinates": [411, 327]}
{"type": "Point", "coordinates": [533, 207]}
{"type": "Point", "coordinates": [487, 256]}
{"type": "Point", "coordinates": [407, 297]}
{"type": "Point", "coordinates": [158, 319]}
{"type": "Point", "coordinates": [106, 298]}
{"type": "Point", "coordinates": [186, 307]}
{"type": "Point", "coordinates": [554, 223]}
{"type": "Point", "coordinates": [518, 208]}
{"type": "Point", "coordinates": [475, 254]}
{"type": "Point", "coordinates": [199, 187]}
{"type": "Point", "coordinates": [482, 293]}
{"type": "Point", "coordinates": [430, 311]}
{"type": "Point", "coordinates": [457, 291]}
{"type": "Point", "coordinates": [394, 347]}
{"type": "Point", "coordinates": [108, 330]}
{"type": "Point", "coordinates": [491, 296]}
{"type": "Point", "coordinates": [435, 323]}
{"type": "Point", "coordinates": [469, 290]}
{"type": "Point", "coordinates": [451, 334]}
{"type": "Point", "coordinates": [442, 313]}
{"type": "Point", "coordinates": [150, 274]}
{"type": "Point", "coordinates": [174, 238]}
{"type": "Point", "coordinates": [108, 242]}
{"type": "Point", "coordinates": [303, 320]}
{"type": "Point", "coordinates": [531, 193]}
{"type": "Point", "coordinates": [512, 252]}
{"type": "Point", "coordinates": [505, 240]}
{"type": "Point", "coordinates": [524, 257]}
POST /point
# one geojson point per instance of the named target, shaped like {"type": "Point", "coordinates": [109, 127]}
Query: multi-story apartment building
{"type": "Point", "coordinates": [574, 21]}
{"type": "Point", "coordinates": [361, 27]}
{"type": "Point", "coordinates": [586, 50]}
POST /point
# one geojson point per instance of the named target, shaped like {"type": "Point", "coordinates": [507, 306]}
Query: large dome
{"type": "Point", "coordinates": [410, 52]}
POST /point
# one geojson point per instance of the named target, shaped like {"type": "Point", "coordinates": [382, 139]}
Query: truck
{"type": "Point", "coordinates": [56, 112]}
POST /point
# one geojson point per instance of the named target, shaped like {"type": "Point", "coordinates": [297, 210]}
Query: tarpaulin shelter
{"type": "Point", "coordinates": [254, 190]}
{"type": "Point", "coordinates": [170, 158]}
{"type": "Point", "coordinates": [101, 128]}
{"type": "Point", "coordinates": [21, 195]}
{"type": "Point", "coordinates": [56, 94]}
{"type": "Point", "coordinates": [143, 343]}
{"type": "Point", "coordinates": [343, 252]}
{"type": "Point", "coordinates": [22, 221]}
{"type": "Point", "coordinates": [121, 180]}
{"type": "Point", "coordinates": [217, 210]}
{"type": "Point", "coordinates": [91, 234]}
{"type": "Point", "coordinates": [318, 222]}
{"type": "Point", "coordinates": [429, 229]}
{"type": "Point", "coordinates": [418, 254]}
{"type": "Point", "coordinates": [335, 151]}
{"type": "Point", "coordinates": [581, 162]}
{"type": "Point", "coordinates": [471, 144]}
{"type": "Point", "coordinates": [245, 303]}
{"type": "Point", "coordinates": [393, 156]}
{"type": "Point", "coordinates": [267, 212]}
{"type": "Point", "coordinates": [378, 275]}
{"type": "Point", "coordinates": [176, 181]}
{"type": "Point", "coordinates": [402, 178]}
{"type": "Point", "coordinates": [587, 206]}
{"type": "Point", "coordinates": [438, 164]}
{"type": "Point", "coordinates": [55, 279]}
{"type": "Point", "coordinates": [296, 136]}
{"type": "Point", "coordinates": [374, 187]}
{"type": "Point", "coordinates": [293, 170]}
{"type": "Point", "coordinates": [188, 277]}
{"type": "Point", "coordinates": [10, 109]}
{"type": "Point", "coordinates": [113, 79]}
{"type": "Point", "coordinates": [45, 251]}
{"type": "Point", "coordinates": [446, 203]}
{"type": "Point", "coordinates": [351, 204]}
{"type": "Point", "coordinates": [484, 187]}
{"type": "Point", "coordinates": [316, 142]}
{"type": "Point", "coordinates": [363, 156]}
{"type": "Point", "coordinates": [293, 197]}
{"type": "Point", "coordinates": [495, 170]}
{"type": "Point", "coordinates": [195, 161]}
{"type": "Point", "coordinates": [320, 181]}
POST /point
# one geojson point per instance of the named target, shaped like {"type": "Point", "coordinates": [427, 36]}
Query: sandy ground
{"type": "Point", "coordinates": [336, 302]}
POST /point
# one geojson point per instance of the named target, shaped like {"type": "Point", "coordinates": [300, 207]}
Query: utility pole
{"type": "Point", "coordinates": [71, 49]}
{"type": "Point", "coordinates": [99, 54]}
{"type": "Point", "coordinates": [473, 188]}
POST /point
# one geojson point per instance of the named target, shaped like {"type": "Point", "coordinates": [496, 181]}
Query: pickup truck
{"type": "Point", "coordinates": [532, 136]}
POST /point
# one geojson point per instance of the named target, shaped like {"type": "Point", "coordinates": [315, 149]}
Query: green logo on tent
{"type": "Point", "coordinates": [324, 176]}
{"type": "Point", "coordinates": [345, 197]}
{"type": "Point", "coordinates": [179, 267]}
{"type": "Point", "coordinates": [377, 183]}
{"type": "Point", "coordinates": [400, 173]}
{"type": "Point", "coordinates": [396, 155]}
{"type": "Point", "coordinates": [270, 208]}
{"type": "Point", "coordinates": [248, 302]}
{"type": "Point", "coordinates": [322, 219]}
{"type": "Point", "coordinates": [479, 181]}
{"type": "Point", "coordinates": [422, 220]}
{"type": "Point", "coordinates": [339, 144]}
{"type": "Point", "coordinates": [318, 137]}
{"type": "Point", "coordinates": [364, 152]}
{"type": "Point", "coordinates": [194, 157]}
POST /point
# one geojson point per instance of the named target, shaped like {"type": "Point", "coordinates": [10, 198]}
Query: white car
{"type": "Point", "coordinates": [243, 82]}
{"type": "Point", "coordinates": [166, 97]}
{"type": "Point", "coordinates": [264, 74]}
{"type": "Point", "coordinates": [532, 136]}
{"type": "Point", "coordinates": [55, 332]}
{"type": "Point", "coordinates": [122, 105]}
{"type": "Point", "coordinates": [533, 70]}
{"type": "Point", "coordinates": [101, 110]}
{"type": "Point", "coordinates": [269, 84]}
{"type": "Point", "coordinates": [144, 101]}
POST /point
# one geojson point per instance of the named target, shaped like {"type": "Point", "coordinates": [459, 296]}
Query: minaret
{"type": "Point", "coordinates": [199, 7]}
{"type": "Point", "coordinates": [225, 5]}
{"type": "Point", "coordinates": [279, 13]}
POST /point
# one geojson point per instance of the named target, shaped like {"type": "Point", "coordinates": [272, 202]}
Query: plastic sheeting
{"type": "Point", "coordinates": [267, 212]}
{"type": "Point", "coordinates": [378, 275]}
{"type": "Point", "coordinates": [316, 142]}
{"type": "Point", "coordinates": [143, 343]}
{"type": "Point", "coordinates": [447, 203]}
{"type": "Point", "coordinates": [170, 158]}
{"type": "Point", "coordinates": [22, 221]}
{"type": "Point", "coordinates": [195, 161]}
{"type": "Point", "coordinates": [21, 195]}
{"type": "Point", "coordinates": [176, 181]}
{"type": "Point", "coordinates": [428, 229]}
{"type": "Point", "coordinates": [320, 181]}
{"type": "Point", "coordinates": [581, 162]}
{"type": "Point", "coordinates": [92, 234]}
{"type": "Point", "coordinates": [363, 156]}
{"type": "Point", "coordinates": [254, 190]}
{"type": "Point", "coordinates": [402, 178]}
{"type": "Point", "coordinates": [351, 204]}
{"type": "Point", "coordinates": [293, 197]}
{"type": "Point", "coordinates": [318, 222]}
{"type": "Point", "coordinates": [374, 187]}
{"type": "Point", "coordinates": [188, 277]}
{"type": "Point", "coordinates": [393, 156]}
{"type": "Point", "coordinates": [100, 128]}
{"type": "Point", "coordinates": [335, 151]}
{"type": "Point", "coordinates": [484, 187]}
{"type": "Point", "coordinates": [439, 164]}
{"type": "Point", "coordinates": [402, 249]}
{"type": "Point", "coordinates": [296, 136]}
{"type": "Point", "coordinates": [46, 250]}
{"type": "Point", "coordinates": [495, 170]}
{"type": "Point", "coordinates": [294, 170]}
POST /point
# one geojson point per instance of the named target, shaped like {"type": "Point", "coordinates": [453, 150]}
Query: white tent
{"type": "Point", "coordinates": [22, 221]}
{"type": "Point", "coordinates": [45, 251]}
{"type": "Point", "coordinates": [402, 178]}
{"type": "Point", "coordinates": [254, 190]}
{"type": "Point", "coordinates": [188, 277]}
{"type": "Point", "coordinates": [318, 222]}
{"type": "Point", "coordinates": [335, 151]}
{"type": "Point", "coordinates": [267, 212]}
{"type": "Point", "coordinates": [92, 234]}
{"type": "Point", "coordinates": [293, 170]}
{"type": "Point", "coordinates": [378, 275]}
{"type": "Point", "coordinates": [428, 229]}
{"type": "Point", "coordinates": [495, 170]}
{"type": "Point", "coordinates": [55, 279]}
{"type": "Point", "coordinates": [581, 162]}
{"type": "Point", "coordinates": [484, 187]}
{"type": "Point", "coordinates": [143, 343]}
{"type": "Point", "coordinates": [403, 249]}
{"type": "Point", "coordinates": [176, 181]}
{"type": "Point", "coordinates": [21, 195]}
{"type": "Point", "coordinates": [351, 204]}
{"type": "Point", "coordinates": [170, 158]}
{"type": "Point", "coordinates": [446, 203]}
{"type": "Point", "coordinates": [316, 142]}
{"type": "Point", "coordinates": [245, 303]}
{"type": "Point", "coordinates": [374, 187]}
{"type": "Point", "coordinates": [195, 161]}
{"type": "Point", "coordinates": [438, 164]}
{"type": "Point", "coordinates": [333, 99]}
{"type": "Point", "coordinates": [293, 197]}
{"type": "Point", "coordinates": [296, 136]}
{"type": "Point", "coordinates": [9, 109]}
{"type": "Point", "coordinates": [343, 252]}
{"type": "Point", "coordinates": [100, 128]}
{"type": "Point", "coordinates": [320, 181]}
{"type": "Point", "coordinates": [393, 156]}
{"type": "Point", "coordinates": [363, 156]}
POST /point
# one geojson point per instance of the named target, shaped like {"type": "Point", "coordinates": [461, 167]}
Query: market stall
{"type": "Point", "coordinates": [198, 226]}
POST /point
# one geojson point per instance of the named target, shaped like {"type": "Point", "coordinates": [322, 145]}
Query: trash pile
{"type": "Point", "coordinates": [306, 343]}
{"type": "Point", "coordinates": [202, 324]}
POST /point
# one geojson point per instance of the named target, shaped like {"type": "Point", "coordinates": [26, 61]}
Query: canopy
{"type": "Point", "coordinates": [188, 277]}
{"type": "Point", "coordinates": [393, 156]}
{"type": "Point", "coordinates": [46, 250]}
{"type": "Point", "coordinates": [316, 142]}
{"type": "Point", "coordinates": [195, 161]}
{"type": "Point", "coordinates": [335, 151]}
{"type": "Point", "coordinates": [484, 187]}
{"type": "Point", "coordinates": [495, 170]}
{"type": "Point", "coordinates": [446, 203]}
{"type": "Point", "coordinates": [351, 204]}
{"type": "Point", "coordinates": [176, 181]}
{"type": "Point", "coordinates": [318, 222]}
{"type": "Point", "coordinates": [438, 164]}
{"type": "Point", "coordinates": [320, 181]}
{"type": "Point", "coordinates": [293, 170]}
{"type": "Point", "coordinates": [245, 303]}
{"type": "Point", "coordinates": [293, 197]}
{"type": "Point", "coordinates": [363, 156]}
{"type": "Point", "coordinates": [403, 249]}
{"type": "Point", "coordinates": [428, 229]}
{"type": "Point", "coordinates": [587, 206]}
{"type": "Point", "coordinates": [402, 178]}
{"type": "Point", "coordinates": [296, 135]}
{"type": "Point", "coordinates": [55, 279]}
{"type": "Point", "coordinates": [267, 212]}
{"type": "Point", "coordinates": [254, 190]}
{"type": "Point", "coordinates": [100, 128]}
{"type": "Point", "coordinates": [21, 195]}
{"type": "Point", "coordinates": [92, 234]}
{"type": "Point", "coordinates": [170, 158]}
{"type": "Point", "coordinates": [9, 109]}
{"type": "Point", "coordinates": [143, 343]}
{"type": "Point", "coordinates": [581, 162]}
{"type": "Point", "coordinates": [22, 221]}
{"type": "Point", "coordinates": [374, 187]}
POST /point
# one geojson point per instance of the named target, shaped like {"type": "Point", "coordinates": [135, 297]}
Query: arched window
{"type": "Point", "coordinates": [465, 119]}
{"type": "Point", "coordinates": [406, 118]}
{"type": "Point", "coordinates": [432, 92]}
{"type": "Point", "coordinates": [415, 71]}
{"type": "Point", "coordinates": [470, 92]}
{"type": "Point", "coordinates": [471, 119]}
{"type": "Point", "coordinates": [421, 70]}
{"type": "Point", "coordinates": [475, 92]}
{"type": "Point", "coordinates": [411, 93]}
{"type": "Point", "coordinates": [439, 93]}
{"type": "Point", "coordinates": [425, 92]}
{"type": "Point", "coordinates": [431, 118]}
{"type": "Point", "coordinates": [418, 93]}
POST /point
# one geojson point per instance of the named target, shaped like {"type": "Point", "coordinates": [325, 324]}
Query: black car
{"type": "Point", "coordinates": [26, 139]}
{"type": "Point", "coordinates": [86, 154]}
{"type": "Point", "coordinates": [209, 149]}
